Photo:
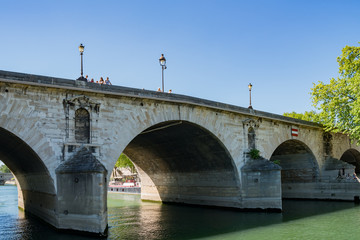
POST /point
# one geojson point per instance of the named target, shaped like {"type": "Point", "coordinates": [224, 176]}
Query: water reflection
{"type": "Point", "coordinates": [159, 221]}
{"type": "Point", "coordinates": [298, 209]}
{"type": "Point", "coordinates": [129, 218]}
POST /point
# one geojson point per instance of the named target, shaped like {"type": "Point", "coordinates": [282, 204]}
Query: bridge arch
{"type": "Point", "coordinates": [36, 187]}
{"type": "Point", "coordinates": [352, 156]}
{"type": "Point", "coordinates": [179, 161]}
{"type": "Point", "coordinates": [297, 161]}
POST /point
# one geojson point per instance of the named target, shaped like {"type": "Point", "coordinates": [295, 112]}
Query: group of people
{"type": "Point", "coordinates": [107, 82]}
{"type": "Point", "coordinates": [101, 81]}
{"type": "Point", "coordinates": [159, 90]}
{"type": "Point", "coordinates": [342, 175]}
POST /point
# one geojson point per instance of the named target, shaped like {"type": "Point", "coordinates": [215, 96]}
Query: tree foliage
{"type": "Point", "coordinates": [339, 100]}
{"type": "Point", "coordinates": [311, 116]}
{"type": "Point", "coordinates": [124, 162]}
{"type": "Point", "coordinates": [4, 169]}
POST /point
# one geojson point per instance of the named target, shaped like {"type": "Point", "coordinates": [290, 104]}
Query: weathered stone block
{"type": "Point", "coordinates": [82, 193]}
{"type": "Point", "coordinates": [261, 184]}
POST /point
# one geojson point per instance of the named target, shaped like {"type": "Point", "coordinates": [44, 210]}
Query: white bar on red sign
{"type": "Point", "coordinates": [294, 132]}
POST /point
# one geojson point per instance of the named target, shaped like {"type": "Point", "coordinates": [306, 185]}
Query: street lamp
{"type": "Point", "coordinates": [162, 62]}
{"type": "Point", "coordinates": [81, 50]}
{"type": "Point", "coordinates": [250, 87]}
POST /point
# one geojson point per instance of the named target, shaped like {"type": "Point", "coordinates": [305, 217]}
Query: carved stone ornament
{"type": "Point", "coordinates": [251, 123]}
{"type": "Point", "coordinates": [82, 102]}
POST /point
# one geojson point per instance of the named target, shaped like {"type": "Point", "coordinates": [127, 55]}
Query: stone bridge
{"type": "Point", "coordinates": [5, 177]}
{"type": "Point", "coordinates": [61, 139]}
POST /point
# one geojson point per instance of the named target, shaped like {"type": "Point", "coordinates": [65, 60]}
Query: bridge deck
{"type": "Point", "coordinates": [37, 80]}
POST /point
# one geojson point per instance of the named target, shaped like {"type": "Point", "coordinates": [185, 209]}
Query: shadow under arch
{"type": "Point", "coordinates": [298, 165]}
{"type": "Point", "coordinates": [36, 188]}
{"type": "Point", "coordinates": [182, 162]}
{"type": "Point", "coordinates": [352, 156]}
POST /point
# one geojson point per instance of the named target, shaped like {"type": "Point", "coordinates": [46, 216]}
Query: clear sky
{"type": "Point", "coordinates": [214, 49]}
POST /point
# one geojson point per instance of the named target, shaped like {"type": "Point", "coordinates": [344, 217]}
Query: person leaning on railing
{"type": "Point", "coordinates": [107, 81]}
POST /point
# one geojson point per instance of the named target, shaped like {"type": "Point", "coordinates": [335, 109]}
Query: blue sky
{"type": "Point", "coordinates": [214, 49]}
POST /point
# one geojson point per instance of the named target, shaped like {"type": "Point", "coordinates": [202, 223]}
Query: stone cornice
{"type": "Point", "coordinates": [37, 80]}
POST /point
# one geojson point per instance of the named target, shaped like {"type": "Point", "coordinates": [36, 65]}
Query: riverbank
{"type": "Point", "coordinates": [10, 182]}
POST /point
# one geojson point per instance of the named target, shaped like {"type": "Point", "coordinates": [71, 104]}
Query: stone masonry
{"type": "Point", "coordinates": [187, 150]}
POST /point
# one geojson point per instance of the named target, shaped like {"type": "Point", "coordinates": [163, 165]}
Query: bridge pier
{"type": "Point", "coordinates": [82, 194]}
{"type": "Point", "coordinates": [331, 184]}
{"type": "Point", "coordinates": [261, 184]}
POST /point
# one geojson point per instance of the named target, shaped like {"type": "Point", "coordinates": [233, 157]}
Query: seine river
{"type": "Point", "coordinates": [129, 218]}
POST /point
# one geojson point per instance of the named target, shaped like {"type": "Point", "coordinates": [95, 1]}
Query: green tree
{"type": "Point", "coordinates": [339, 101]}
{"type": "Point", "coordinates": [311, 116]}
{"type": "Point", "coordinates": [124, 162]}
{"type": "Point", "coordinates": [4, 169]}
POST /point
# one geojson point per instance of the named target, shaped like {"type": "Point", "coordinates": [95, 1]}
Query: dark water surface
{"type": "Point", "coordinates": [130, 218]}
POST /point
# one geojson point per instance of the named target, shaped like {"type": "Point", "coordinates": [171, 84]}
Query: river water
{"type": "Point", "coordinates": [130, 218]}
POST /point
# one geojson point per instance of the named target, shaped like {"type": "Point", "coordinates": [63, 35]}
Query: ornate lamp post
{"type": "Point", "coordinates": [81, 50]}
{"type": "Point", "coordinates": [250, 87]}
{"type": "Point", "coordinates": [162, 62]}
